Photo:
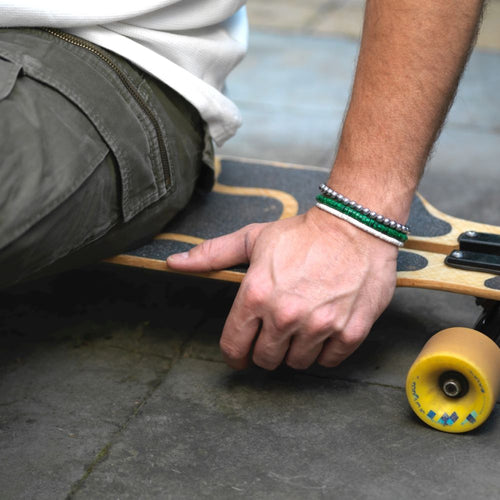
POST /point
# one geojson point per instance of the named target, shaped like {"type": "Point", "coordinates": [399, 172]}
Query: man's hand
{"type": "Point", "coordinates": [314, 288]}
{"type": "Point", "coordinates": [316, 284]}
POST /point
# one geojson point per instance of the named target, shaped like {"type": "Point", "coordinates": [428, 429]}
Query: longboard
{"type": "Point", "coordinates": [455, 381]}
{"type": "Point", "coordinates": [249, 191]}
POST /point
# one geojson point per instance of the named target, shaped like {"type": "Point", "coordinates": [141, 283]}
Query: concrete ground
{"type": "Point", "coordinates": [112, 385]}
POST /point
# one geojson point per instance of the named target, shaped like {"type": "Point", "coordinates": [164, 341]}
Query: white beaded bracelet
{"type": "Point", "coordinates": [360, 225]}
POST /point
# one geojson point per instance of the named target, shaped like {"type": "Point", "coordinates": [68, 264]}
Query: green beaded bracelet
{"type": "Point", "coordinates": [361, 217]}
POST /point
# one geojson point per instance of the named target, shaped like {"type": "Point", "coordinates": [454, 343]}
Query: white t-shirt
{"type": "Point", "coordinates": [191, 45]}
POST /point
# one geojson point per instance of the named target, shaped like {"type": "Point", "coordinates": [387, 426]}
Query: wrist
{"type": "Point", "coordinates": [377, 190]}
{"type": "Point", "coordinates": [344, 233]}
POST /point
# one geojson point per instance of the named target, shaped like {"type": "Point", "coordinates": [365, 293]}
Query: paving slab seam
{"type": "Point", "coordinates": [141, 353]}
{"type": "Point", "coordinates": [312, 375]}
{"type": "Point", "coordinates": [355, 381]}
{"type": "Point", "coordinates": [200, 357]}
{"type": "Point", "coordinates": [104, 452]}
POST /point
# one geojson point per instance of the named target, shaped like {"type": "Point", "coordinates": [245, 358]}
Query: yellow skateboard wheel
{"type": "Point", "coordinates": [455, 381]}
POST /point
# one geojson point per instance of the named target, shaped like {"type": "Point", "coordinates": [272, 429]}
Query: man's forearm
{"type": "Point", "coordinates": [411, 58]}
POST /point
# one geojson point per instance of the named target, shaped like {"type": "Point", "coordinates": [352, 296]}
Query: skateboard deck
{"type": "Point", "coordinates": [249, 191]}
{"type": "Point", "coordinates": [455, 381]}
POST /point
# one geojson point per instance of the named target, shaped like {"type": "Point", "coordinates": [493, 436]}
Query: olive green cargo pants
{"type": "Point", "coordinates": [95, 155]}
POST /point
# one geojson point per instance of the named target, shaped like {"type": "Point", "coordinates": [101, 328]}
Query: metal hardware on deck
{"type": "Point", "coordinates": [474, 261]}
{"type": "Point", "coordinates": [473, 241]}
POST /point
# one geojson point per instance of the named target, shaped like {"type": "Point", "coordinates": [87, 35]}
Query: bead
{"type": "Point", "coordinates": [355, 210]}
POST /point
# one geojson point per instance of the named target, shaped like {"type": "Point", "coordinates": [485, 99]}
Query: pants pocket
{"type": "Point", "coordinates": [106, 95]}
{"type": "Point", "coordinates": [48, 148]}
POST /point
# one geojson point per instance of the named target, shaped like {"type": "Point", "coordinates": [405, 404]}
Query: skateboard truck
{"type": "Point", "coordinates": [489, 320]}
{"type": "Point", "coordinates": [476, 252]}
{"type": "Point", "coordinates": [481, 252]}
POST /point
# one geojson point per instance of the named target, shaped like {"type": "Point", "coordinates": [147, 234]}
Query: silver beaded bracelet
{"type": "Point", "coordinates": [334, 195]}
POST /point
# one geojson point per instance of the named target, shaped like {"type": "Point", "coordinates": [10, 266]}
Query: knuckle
{"type": "Point", "coordinates": [355, 334]}
{"type": "Point", "coordinates": [342, 346]}
{"type": "Point", "coordinates": [332, 358]}
{"type": "Point", "coordinates": [311, 336]}
{"type": "Point", "coordinates": [338, 324]}
{"type": "Point", "coordinates": [251, 232]}
{"type": "Point", "coordinates": [348, 340]}
{"type": "Point", "coordinates": [265, 362]}
{"type": "Point", "coordinates": [318, 324]}
{"type": "Point", "coordinates": [285, 318]}
{"type": "Point", "coordinates": [298, 363]}
{"type": "Point", "coordinates": [232, 351]}
{"type": "Point", "coordinates": [345, 341]}
{"type": "Point", "coordinates": [256, 295]}
{"type": "Point", "coordinates": [329, 362]}
{"type": "Point", "coordinates": [282, 321]}
{"type": "Point", "coordinates": [203, 250]}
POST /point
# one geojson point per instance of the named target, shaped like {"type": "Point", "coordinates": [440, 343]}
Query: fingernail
{"type": "Point", "coordinates": [178, 256]}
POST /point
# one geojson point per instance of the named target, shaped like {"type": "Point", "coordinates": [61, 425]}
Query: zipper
{"type": "Point", "coordinates": [130, 88]}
